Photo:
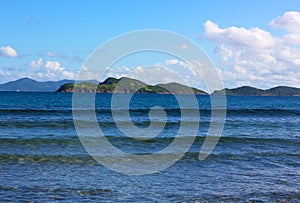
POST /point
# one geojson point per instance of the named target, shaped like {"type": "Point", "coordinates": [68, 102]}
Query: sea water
{"type": "Point", "coordinates": [257, 158]}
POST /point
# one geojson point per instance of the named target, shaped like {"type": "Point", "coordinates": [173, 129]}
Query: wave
{"type": "Point", "coordinates": [71, 159]}
{"type": "Point", "coordinates": [57, 190]}
{"type": "Point", "coordinates": [89, 160]}
{"type": "Point", "coordinates": [63, 124]}
{"type": "Point", "coordinates": [264, 112]}
{"type": "Point", "coordinates": [169, 111]}
{"type": "Point", "coordinates": [160, 140]}
{"type": "Point", "coordinates": [38, 141]}
{"type": "Point", "coordinates": [34, 111]}
{"type": "Point", "coordinates": [37, 123]}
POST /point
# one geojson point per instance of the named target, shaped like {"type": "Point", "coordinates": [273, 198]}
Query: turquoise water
{"type": "Point", "coordinates": [42, 159]}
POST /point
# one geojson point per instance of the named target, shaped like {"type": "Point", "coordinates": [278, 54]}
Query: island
{"type": "Point", "coordinates": [252, 91]}
{"type": "Point", "coordinates": [128, 86]}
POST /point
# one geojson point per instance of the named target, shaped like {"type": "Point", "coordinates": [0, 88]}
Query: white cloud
{"type": "Point", "coordinates": [290, 21]}
{"type": "Point", "coordinates": [59, 56]}
{"type": "Point", "coordinates": [171, 70]}
{"type": "Point", "coordinates": [181, 47]}
{"type": "Point", "coordinates": [292, 39]}
{"type": "Point", "coordinates": [172, 61]}
{"type": "Point", "coordinates": [36, 64]}
{"type": "Point", "coordinates": [86, 74]}
{"type": "Point", "coordinates": [117, 72]}
{"type": "Point", "coordinates": [155, 75]}
{"type": "Point", "coordinates": [255, 57]}
{"type": "Point", "coordinates": [48, 70]}
{"type": "Point", "coordinates": [55, 70]}
{"type": "Point", "coordinates": [4, 73]}
{"type": "Point", "coordinates": [50, 54]}
{"type": "Point", "coordinates": [240, 37]}
{"type": "Point", "coordinates": [39, 70]}
{"type": "Point", "coordinates": [9, 52]}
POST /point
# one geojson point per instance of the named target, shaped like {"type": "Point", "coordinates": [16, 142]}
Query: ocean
{"type": "Point", "coordinates": [42, 159]}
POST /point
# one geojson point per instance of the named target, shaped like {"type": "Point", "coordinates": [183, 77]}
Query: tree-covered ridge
{"type": "Point", "coordinates": [252, 91]}
{"type": "Point", "coordinates": [128, 85]}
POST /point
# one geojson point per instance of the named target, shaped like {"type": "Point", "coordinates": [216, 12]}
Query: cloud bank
{"type": "Point", "coordinates": [256, 57]}
{"type": "Point", "coordinates": [49, 70]}
{"type": "Point", "coordinates": [39, 70]}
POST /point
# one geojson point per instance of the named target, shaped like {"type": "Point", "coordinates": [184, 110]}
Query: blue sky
{"type": "Point", "coordinates": [49, 40]}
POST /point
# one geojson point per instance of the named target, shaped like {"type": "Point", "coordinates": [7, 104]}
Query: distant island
{"type": "Point", "coordinates": [30, 85]}
{"type": "Point", "coordinates": [129, 85]}
{"type": "Point", "coordinates": [252, 91]}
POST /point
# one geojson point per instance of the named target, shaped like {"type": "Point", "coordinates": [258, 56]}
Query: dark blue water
{"type": "Point", "coordinates": [42, 159]}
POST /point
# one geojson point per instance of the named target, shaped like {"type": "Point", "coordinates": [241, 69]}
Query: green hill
{"type": "Point", "coordinates": [252, 91]}
{"type": "Point", "coordinates": [128, 85]}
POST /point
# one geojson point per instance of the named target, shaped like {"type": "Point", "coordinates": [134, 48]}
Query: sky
{"type": "Point", "coordinates": [253, 42]}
